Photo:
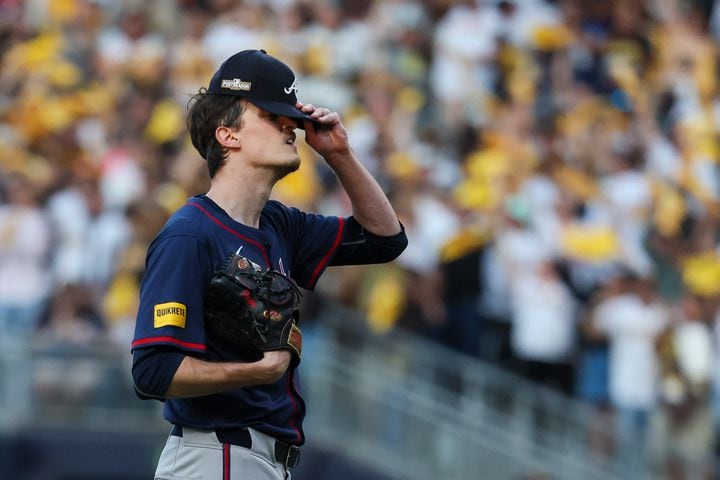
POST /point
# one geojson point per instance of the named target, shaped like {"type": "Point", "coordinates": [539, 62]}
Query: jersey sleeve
{"type": "Point", "coordinates": [177, 276]}
{"type": "Point", "coordinates": [362, 247]}
{"type": "Point", "coordinates": [313, 240]}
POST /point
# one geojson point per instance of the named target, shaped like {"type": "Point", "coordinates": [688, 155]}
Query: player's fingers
{"type": "Point", "coordinates": [327, 116]}
{"type": "Point", "coordinates": [308, 108]}
{"type": "Point", "coordinates": [319, 112]}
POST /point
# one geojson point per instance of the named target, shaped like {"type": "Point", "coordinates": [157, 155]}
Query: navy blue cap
{"type": "Point", "coordinates": [264, 80]}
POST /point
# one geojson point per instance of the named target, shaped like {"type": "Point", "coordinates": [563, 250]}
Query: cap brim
{"type": "Point", "coordinates": [282, 109]}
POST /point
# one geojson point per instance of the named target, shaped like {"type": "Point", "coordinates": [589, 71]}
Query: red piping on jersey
{"type": "Point", "coordinates": [326, 258]}
{"type": "Point", "coordinates": [226, 461]}
{"type": "Point", "coordinates": [226, 228]}
{"type": "Point", "coordinates": [291, 377]}
{"type": "Point", "coordinates": [193, 346]}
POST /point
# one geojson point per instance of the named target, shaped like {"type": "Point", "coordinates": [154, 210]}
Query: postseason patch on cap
{"type": "Point", "coordinates": [171, 314]}
{"type": "Point", "coordinates": [236, 84]}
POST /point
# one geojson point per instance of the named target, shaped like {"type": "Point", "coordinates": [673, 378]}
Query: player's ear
{"type": "Point", "coordinates": [228, 137]}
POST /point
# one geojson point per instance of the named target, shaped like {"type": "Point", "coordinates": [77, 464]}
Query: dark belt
{"type": "Point", "coordinates": [288, 455]}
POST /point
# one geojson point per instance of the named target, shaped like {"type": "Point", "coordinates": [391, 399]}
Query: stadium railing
{"type": "Point", "coordinates": [424, 411]}
{"type": "Point", "coordinates": [406, 406]}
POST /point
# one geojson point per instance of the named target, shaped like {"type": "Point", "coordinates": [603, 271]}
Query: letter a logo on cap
{"type": "Point", "coordinates": [289, 90]}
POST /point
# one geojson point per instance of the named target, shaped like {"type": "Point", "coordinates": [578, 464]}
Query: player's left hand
{"type": "Point", "coordinates": [328, 136]}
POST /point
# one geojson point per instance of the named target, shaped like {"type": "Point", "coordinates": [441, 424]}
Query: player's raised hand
{"type": "Point", "coordinates": [327, 135]}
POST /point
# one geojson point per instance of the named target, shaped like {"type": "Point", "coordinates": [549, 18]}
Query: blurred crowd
{"type": "Point", "coordinates": [554, 162]}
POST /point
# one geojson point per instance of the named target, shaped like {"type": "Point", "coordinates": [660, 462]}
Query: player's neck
{"type": "Point", "coordinates": [242, 194]}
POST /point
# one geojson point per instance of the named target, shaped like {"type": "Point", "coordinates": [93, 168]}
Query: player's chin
{"type": "Point", "coordinates": [287, 168]}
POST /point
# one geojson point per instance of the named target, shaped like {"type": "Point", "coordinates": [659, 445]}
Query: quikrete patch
{"type": "Point", "coordinates": [171, 314]}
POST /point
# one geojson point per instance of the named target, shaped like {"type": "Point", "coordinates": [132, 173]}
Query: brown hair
{"type": "Point", "coordinates": [207, 112]}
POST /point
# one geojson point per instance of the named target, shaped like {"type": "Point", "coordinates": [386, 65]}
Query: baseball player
{"type": "Point", "coordinates": [217, 336]}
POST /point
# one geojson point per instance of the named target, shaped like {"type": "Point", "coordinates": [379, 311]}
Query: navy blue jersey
{"type": "Point", "coordinates": [179, 265]}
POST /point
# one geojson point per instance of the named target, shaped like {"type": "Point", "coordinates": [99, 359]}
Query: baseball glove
{"type": "Point", "coordinates": [253, 310]}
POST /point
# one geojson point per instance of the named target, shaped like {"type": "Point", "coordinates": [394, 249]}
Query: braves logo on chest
{"type": "Point", "coordinates": [280, 264]}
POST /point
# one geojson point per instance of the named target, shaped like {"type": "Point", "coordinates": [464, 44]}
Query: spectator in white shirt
{"type": "Point", "coordinates": [543, 326]}
{"type": "Point", "coordinates": [683, 433]}
{"type": "Point", "coordinates": [25, 276]}
{"type": "Point", "coordinates": [632, 319]}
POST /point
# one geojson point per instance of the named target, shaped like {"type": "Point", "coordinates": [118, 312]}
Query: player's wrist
{"type": "Point", "coordinates": [338, 156]}
{"type": "Point", "coordinates": [274, 364]}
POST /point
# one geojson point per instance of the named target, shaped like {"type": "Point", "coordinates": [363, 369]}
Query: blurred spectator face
{"type": "Point", "coordinates": [691, 308]}
{"type": "Point", "coordinates": [291, 18]}
{"type": "Point", "coordinates": [507, 8]}
{"type": "Point", "coordinates": [20, 191]}
{"type": "Point", "coordinates": [134, 25]}
{"type": "Point", "coordinates": [645, 290]}
{"type": "Point", "coordinates": [328, 15]}
{"type": "Point", "coordinates": [379, 104]}
{"type": "Point", "coordinates": [92, 196]}
{"type": "Point", "coordinates": [547, 271]}
{"type": "Point", "coordinates": [196, 24]}
{"type": "Point", "coordinates": [222, 6]}
{"type": "Point", "coordinates": [626, 19]}
{"type": "Point", "coordinates": [65, 305]}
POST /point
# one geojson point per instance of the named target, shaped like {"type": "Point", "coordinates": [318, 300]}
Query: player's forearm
{"type": "Point", "coordinates": [196, 378]}
{"type": "Point", "coordinates": [371, 207]}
